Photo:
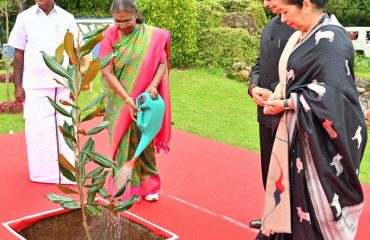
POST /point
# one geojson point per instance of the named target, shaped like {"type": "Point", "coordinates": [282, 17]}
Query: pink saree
{"type": "Point", "coordinates": [136, 62]}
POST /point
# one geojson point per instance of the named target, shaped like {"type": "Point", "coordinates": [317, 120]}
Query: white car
{"type": "Point", "coordinates": [360, 37]}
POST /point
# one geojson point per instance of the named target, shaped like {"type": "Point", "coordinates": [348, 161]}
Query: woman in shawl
{"type": "Point", "coordinates": [140, 63]}
{"type": "Point", "coordinates": [313, 190]}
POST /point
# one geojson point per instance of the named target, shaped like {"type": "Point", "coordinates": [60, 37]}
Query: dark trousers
{"type": "Point", "coordinates": [266, 143]}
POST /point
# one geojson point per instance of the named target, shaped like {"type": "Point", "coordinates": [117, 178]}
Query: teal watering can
{"type": "Point", "coordinates": [149, 119]}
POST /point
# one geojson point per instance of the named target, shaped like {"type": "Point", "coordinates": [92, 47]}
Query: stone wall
{"type": "Point", "coordinates": [363, 88]}
{"type": "Point", "coordinates": [240, 20]}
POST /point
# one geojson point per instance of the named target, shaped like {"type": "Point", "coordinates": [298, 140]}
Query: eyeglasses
{"type": "Point", "coordinates": [124, 24]}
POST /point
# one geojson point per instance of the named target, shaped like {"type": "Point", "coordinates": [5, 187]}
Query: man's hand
{"type": "Point", "coordinates": [19, 94]}
{"type": "Point", "coordinates": [260, 95]}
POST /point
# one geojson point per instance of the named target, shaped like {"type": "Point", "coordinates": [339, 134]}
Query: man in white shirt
{"type": "Point", "coordinates": [41, 28]}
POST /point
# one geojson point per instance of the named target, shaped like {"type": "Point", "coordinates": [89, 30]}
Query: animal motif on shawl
{"type": "Point", "coordinates": [290, 75]}
{"type": "Point", "coordinates": [324, 34]}
{"type": "Point", "coordinates": [299, 165]}
{"type": "Point", "coordinates": [336, 205]}
{"type": "Point", "coordinates": [305, 105]}
{"type": "Point", "coordinates": [348, 72]}
{"type": "Point", "coordinates": [358, 136]}
{"type": "Point", "coordinates": [327, 125]}
{"type": "Point", "coordinates": [303, 215]}
{"type": "Point", "coordinates": [337, 164]}
{"type": "Point", "coordinates": [317, 88]}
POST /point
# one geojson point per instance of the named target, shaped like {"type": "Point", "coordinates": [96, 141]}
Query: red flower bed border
{"type": "Point", "coordinates": [11, 107]}
{"type": "Point", "coordinates": [3, 77]}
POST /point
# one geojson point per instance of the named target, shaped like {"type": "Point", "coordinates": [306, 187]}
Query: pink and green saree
{"type": "Point", "coordinates": [137, 59]}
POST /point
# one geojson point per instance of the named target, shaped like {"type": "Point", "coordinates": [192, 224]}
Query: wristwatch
{"type": "Point", "coordinates": [286, 105]}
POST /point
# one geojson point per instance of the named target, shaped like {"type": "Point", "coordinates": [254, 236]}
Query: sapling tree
{"type": "Point", "coordinates": [92, 183]}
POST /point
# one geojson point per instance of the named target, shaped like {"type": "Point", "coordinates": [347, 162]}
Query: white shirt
{"type": "Point", "coordinates": [33, 32]}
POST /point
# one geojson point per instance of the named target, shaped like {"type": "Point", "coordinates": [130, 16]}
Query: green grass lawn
{"type": "Point", "coordinates": [363, 74]}
{"type": "Point", "coordinates": [204, 103]}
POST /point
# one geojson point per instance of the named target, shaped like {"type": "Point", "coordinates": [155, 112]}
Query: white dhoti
{"type": "Point", "coordinates": [44, 140]}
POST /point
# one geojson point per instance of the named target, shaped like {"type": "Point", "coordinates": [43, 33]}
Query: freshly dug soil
{"type": "Point", "coordinates": [68, 226]}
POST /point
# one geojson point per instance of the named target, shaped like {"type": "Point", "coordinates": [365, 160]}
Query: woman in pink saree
{"type": "Point", "coordinates": [140, 63]}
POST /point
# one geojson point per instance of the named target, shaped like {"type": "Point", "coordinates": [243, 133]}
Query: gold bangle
{"type": "Point", "coordinates": [128, 99]}
{"type": "Point", "coordinates": [154, 84]}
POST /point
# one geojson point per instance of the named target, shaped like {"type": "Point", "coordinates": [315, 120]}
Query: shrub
{"type": "Point", "coordinates": [210, 14]}
{"type": "Point", "coordinates": [3, 77]}
{"type": "Point", "coordinates": [362, 63]}
{"type": "Point", "coordinates": [235, 5]}
{"type": "Point", "coordinates": [180, 17]}
{"type": "Point", "coordinates": [221, 47]}
{"type": "Point", "coordinates": [252, 6]}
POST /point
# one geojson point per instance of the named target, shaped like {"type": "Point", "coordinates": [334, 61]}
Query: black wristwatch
{"type": "Point", "coordinates": [286, 105]}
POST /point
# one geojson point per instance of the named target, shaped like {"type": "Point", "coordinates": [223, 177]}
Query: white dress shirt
{"type": "Point", "coordinates": [33, 32]}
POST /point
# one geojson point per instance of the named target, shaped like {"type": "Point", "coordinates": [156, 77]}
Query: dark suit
{"type": "Point", "coordinates": [265, 74]}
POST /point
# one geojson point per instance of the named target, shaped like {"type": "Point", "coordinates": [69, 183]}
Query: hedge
{"type": "Point", "coordinates": [252, 6]}
{"type": "Point", "coordinates": [180, 17]}
{"type": "Point", "coordinates": [221, 47]}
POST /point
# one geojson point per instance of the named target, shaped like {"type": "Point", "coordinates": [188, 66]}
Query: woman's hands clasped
{"type": "Point", "coordinates": [273, 107]}
{"type": "Point", "coordinates": [271, 103]}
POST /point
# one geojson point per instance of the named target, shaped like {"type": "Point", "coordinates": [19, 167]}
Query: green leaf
{"type": "Point", "coordinates": [126, 205]}
{"type": "Point", "coordinates": [91, 198]}
{"type": "Point", "coordinates": [103, 192]}
{"type": "Point", "coordinates": [72, 71]}
{"type": "Point", "coordinates": [99, 128]}
{"type": "Point", "coordinates": [93, 211]}
{"type": "Point", "coordinates": [97, 113]}
{"type": "Point", "coordinates": [95, 102]}
{"type": "Point", "coordinates": [96, 187]}
{"type": "Point", "coordinates": [122, 189]}
{"type": "Point", "coordinates": [91, 42]}
{"type": "Point", "coordinates": [68, 131]}
{"type": "Point", "coordinates": [102, 177]}
{"type": "Point", "coordinates": [106, 60]}
{"type": "Point", "coordinates": [89, 146]}
{"type": "Point", "coordinates": [94, 184]}
{"type": "Point", "coordinates": [94, 173]}
{"type": "Point", "coordinates": [69, 47]}
{"type": "Point", "coordinates": [95, 32]}
{"type": "Point", "coordinates": [71, 205]}
{"type": "Point", "coordinates": [59, 199]}
{"type": "Point", "coordinates": [54, 66]}
{"type": "Point", "coordinates": [73, 115]}
{"type": "Point", "coordinates": [68, 174]}
{"type": "Point", "coordinates": [82, 173]}
{"type": "Point", "coordinates": [91, 72]}
{"type": "Point", "coordinates": [60, 109]}
{"type": "Point", "coordinates": [84, 53]}
{"type": "Point", "coordinates": [59, 57]}
{"type": "Point", "coordinates": [100, 159]}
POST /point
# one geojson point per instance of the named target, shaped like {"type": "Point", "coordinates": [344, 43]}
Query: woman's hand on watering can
{"type": "Point", "coordinates": [152, 89]}
{"type": "Point", "coordinates": [132, 108]}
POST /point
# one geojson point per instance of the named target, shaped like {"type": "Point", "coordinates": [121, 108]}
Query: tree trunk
{"type": "Point", "coordinates": [7, 60]}
{"type": "Point", "coordinates": [20, 5]}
